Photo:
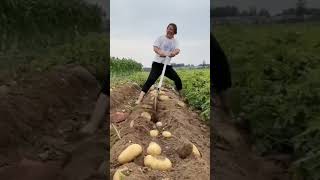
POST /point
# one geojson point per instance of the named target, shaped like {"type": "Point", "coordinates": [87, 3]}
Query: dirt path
{"type": "Point", "coordinates": [184, 124]}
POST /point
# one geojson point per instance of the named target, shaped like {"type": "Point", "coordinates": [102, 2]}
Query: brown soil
{"type": "Point", "coordinates": [40, 116]}
{"type": "Point", "coordinates": [235, 159]}
{"type": "Point", "coordinates": [185, 126]}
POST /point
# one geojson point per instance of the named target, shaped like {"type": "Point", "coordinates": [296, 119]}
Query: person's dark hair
{"type": "Point", "coordinates": [174, 27]}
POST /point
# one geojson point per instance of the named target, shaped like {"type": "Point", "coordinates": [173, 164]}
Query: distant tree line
{"type": "Point", "coordinates": [229, 11]}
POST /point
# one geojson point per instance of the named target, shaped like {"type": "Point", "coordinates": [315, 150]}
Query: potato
{"type": "Point", "coordinates": [157, 162]}
{"type": "Point", "coordinates": [119, 175]}
{"type": "Point", "coordinates": [181, 104]}
{"type": "Point", "coordinates": [163, 98]}
{"type": "Point", "coordinates": [154, 133]}
{"type": "Point", "coordinates": [130, 153]}
{"type": "Point", "coordinates": [154, 149]}
{"type": "Point", "coordinates": [146, 115]}
{"type": "Point", "coordinates": [162, 92]}
{"type": "Point", "coordinates": [195, 151]}
{"type": "Point", "coordinates": [166, 134]}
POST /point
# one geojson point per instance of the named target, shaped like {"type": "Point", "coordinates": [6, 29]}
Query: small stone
{"type": "Point", "coordinates": [185, 150]}
{"type": "Point", "coordinates": [159, 124]}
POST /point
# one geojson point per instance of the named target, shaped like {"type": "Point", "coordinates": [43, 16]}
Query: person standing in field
{"type": "Point", "coordinates": [165, 45]}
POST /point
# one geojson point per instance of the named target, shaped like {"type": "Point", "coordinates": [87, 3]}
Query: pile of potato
{"type": "Point", "coordinates": [153, 159]}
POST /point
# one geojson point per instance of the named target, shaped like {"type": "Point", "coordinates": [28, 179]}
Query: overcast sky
{"type": "Point", "coordinates": [274, 6]}
{"type": "Point", "coordinates": [135, 25]}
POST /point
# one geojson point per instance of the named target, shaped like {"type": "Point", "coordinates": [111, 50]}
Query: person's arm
{"type": "Point", "coordinates": [174, 52]}
{"type": "Point", "coordinates": [159, 51]}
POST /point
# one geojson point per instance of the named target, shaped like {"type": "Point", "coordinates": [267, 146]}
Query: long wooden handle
{"type": "Point", "coordinates": [163, 72]}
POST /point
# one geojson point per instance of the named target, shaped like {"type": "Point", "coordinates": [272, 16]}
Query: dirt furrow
{"type": "Point", "coordinates": [185, 126]}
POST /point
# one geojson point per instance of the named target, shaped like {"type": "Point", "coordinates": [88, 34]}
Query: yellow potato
{"type": "Point", "coordinates": [166, 134]}
{"type": "Point", "coordinates": [195, 151]}
{"type": "Point", "coordinates": [118, 175]}
{"type": "Point", "coordinates": [162, 92]}
{"type": "Point", "coordinates": [181, 104]}
{"type": "Point", "coordinates": [163, 98]}
{"type": "Point", "coordinates": [130, 153]}
{"type": "Point", "coordinates": [157, 162]}
{"type": "Point", "coordinates": [154, 133]}
{"type": "Point", "coordinates": [146, 115]}
{"type": "Point", "coordinates": [154, 149]}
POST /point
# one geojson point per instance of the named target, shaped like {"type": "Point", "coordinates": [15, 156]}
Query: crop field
{"type": "Point", "coordinates": [275, 71]}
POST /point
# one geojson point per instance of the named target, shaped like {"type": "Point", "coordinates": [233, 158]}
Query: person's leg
{"type": "Point", "coordinates": [172, 74]}
{"type": "Point", "coordinates": [100, 111]}
{"type": "Point", "coordinates": [156, 70]}
{"type": "Point", "coordinates": [226, 102]}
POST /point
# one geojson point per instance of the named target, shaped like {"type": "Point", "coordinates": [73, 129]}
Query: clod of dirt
{"type": "Point", "coordinates": [164, 98]}
{"type": "Point", "coordinates": [118, 117]}
{"type": "Point", "coordinates": [146, 115]}
{"type": "Point", "coordinates": [185, 150]}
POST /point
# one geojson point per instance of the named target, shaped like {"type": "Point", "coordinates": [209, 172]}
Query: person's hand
{"type": "Point", "coordinates": [172, 54]}
{"type": "Point", "coordinates": [164, 54]}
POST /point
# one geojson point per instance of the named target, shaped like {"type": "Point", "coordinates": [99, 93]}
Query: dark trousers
{"type": "Point", "coordinates": [221, 75]}
{"type": "Point", "coordinates": [156, 71]}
